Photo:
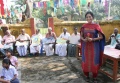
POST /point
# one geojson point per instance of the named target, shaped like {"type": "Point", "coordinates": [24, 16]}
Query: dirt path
{"type": "Point", "coordinates": [47, 70]}
{"type": "Point", "coordinates": [54, 69]}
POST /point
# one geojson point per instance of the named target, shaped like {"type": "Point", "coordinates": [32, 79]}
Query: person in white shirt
{"type": "Point", "coordinates": [22, 43]}
{"type": "Point", "coordinates": [114, 39]}
{"type": "Point", "coordinates": [7, 42]}
{"type": "Point", "coordinates": [9, 72]}
{"type": "Point", "coordinates": [35, 46]}
{"type": "Point", "coordinates": [74, 40]}
{"type": "Point", "coordinates": [49, 42]}
{"type": "Point", "coordinates": [61, 49]}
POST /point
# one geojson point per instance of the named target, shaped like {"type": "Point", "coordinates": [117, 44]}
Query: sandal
{"type": "Point", "coordinates": [87, 79]}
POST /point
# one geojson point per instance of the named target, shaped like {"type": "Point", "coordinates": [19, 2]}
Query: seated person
{"type": "Point", "coordinates": [73, 42]}
{"type": "Point", "coordinates": [61, 49]}
{"type": "Point", "coordinates": [49, 41]}
{"type": "Point", "coordinates": [9, 73]}
{"type": "Point", "coordinates": [22, 43]}
{"type": "Point", "coordinates": [35, 46]}
{"type": "Point", "coordinates": [114, 39]}
{"type": "Point", "coordinates": [13, 59]}
{"type": "Point", "coordinates": [7, 41]}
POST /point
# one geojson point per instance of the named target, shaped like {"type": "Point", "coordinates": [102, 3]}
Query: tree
{"type": "Point", "coordinates": [115, 8]}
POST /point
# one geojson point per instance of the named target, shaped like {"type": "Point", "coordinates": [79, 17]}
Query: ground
{"type": "Point", "coordinates": [54, 69]}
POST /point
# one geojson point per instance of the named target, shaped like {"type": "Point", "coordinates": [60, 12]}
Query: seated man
{"type": "Point", "coordinates": [73, 42]}
{"type": "Point", "coordinates": [49, 41]}
{"type": "Point", "coordinates": [35, 46]}
{"type": "Point", "coordinates": [22, 43]}
{"type": "Point", "coordinates": [114, 39]}
{"type": "Point", "coordinates": [8, 41]}
{"type": "Point", "coordinates": [61, 49]}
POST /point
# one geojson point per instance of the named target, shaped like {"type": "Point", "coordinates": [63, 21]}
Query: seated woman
{"type": "Point", "coordinates": [35, 46]}
{"type": "Point", "coordinates": [114, 39]}
{"type": "Point", "coordinates": [73, 42]}
{"type": "Point", "coordinates": [49, 42]}
{"type": "Point", "coordinates": [61, 47]}
{"type": "Point", "coordinates": [13, 59]}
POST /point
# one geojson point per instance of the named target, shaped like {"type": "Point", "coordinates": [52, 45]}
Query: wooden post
{"type": "Point", "coordinates": [51, 23]}
{"type": "Point", "coordinates": [32, 26]}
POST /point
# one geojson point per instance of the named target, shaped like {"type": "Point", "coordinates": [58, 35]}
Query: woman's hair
{"type": "Point", "coordinates": [9, 50]}
{"type": "Point", "coordinates": [7, 61]}
{"type": "Point", "coordinates": [89, 12]}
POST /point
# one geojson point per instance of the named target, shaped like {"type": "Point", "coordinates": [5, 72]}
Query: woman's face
{"type": "Point", "coordinates": [8, 54]}
{"type": "Point", "coordinates": [89, 18]}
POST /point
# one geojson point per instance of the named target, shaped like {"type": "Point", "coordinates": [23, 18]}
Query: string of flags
{"type": "Point", "coordinates": [61, 3]}
{"type": "Point", "coordinates": [52, 3]}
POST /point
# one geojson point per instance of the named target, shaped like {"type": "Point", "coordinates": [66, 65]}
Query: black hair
{"type": "Point", "coordinates": [89, 12]}
{"type": "Point", "coordinates": [9, 50]}
{"type": "Point", "coordinates": [7, 61]}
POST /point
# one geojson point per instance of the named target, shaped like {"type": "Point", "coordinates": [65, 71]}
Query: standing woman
{"type": "Point", "coordinates": [92, 47]}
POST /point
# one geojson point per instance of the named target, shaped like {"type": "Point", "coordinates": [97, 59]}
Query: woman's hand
{"type": "Point", "coordinates": [90, 39]}
{"type": "Point", "coordinates": [85, 40]}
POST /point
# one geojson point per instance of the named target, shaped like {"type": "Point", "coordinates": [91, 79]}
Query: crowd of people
{"type": "Point", "coordinates": [91, 38]}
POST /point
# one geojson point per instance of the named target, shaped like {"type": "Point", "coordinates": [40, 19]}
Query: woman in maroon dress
{"type": "Point", "coordinates": [92, 47]}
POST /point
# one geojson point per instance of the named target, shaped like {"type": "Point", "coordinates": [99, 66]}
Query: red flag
{"type": "Point", "coordinates": [45, 5]}
{"type": "Point", "coordinates": [1, 7]}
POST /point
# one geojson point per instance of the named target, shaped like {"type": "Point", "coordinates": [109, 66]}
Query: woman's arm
{"type": "Point", "coordinates": [95, 39]}
{"type": "Point", "coordinates": [82, 38]}
{"type": "Point", "coordinates": [98, 38]}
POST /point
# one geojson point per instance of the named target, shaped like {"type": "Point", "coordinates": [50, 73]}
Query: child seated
{"type": "Point", "coordinates": [13, 59]}
{"type": "Point", "coordinates": [9, 72]}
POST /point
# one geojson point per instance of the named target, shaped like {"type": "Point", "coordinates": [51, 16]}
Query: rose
{"type": "Point", "coordinates": [88, 34]}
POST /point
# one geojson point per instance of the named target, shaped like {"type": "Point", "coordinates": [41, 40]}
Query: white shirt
{"type": "Point", "coordinates": [36, 38]}
{"type": "Point", "coordinates": [23, 37]}
{"type": "Point", "coordinates": [65, 36]}
{"type": "Point", "coordinates": [9, 74]}
{"type": "Point", "coordinates": [74, 38]}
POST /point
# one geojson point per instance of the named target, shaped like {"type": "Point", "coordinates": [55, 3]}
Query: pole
{"type": "Point", "coordinates": [109, 9]}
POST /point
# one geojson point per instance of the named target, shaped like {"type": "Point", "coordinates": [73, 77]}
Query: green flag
{"type": "Point", "coordinates": [83, 2]}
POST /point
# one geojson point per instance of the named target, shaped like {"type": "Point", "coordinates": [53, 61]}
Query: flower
{"type": "Point", "coordinates": [88, 34]}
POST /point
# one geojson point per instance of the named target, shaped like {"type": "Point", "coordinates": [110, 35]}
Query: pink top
{"type": "Point", "coordinates": [8, 39]}
{"type": "Point", "coordinates": [13, 60]}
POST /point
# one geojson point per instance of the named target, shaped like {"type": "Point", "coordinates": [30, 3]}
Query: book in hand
{"type": "Point", "coordinates": [47, 41]}
{"type": "Point", "coordinates": [21, 43]}
{"type": "Point", "coordinates": [61, 41]}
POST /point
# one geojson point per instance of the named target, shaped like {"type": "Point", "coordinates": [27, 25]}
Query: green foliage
{"type": "Point", "coordinates": [115, 8]}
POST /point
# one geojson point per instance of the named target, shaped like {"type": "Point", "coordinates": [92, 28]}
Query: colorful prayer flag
{"type": "Point", "coordinates": [83, 2]}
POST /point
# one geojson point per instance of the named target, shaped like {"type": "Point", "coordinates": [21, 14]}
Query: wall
{"type": "Point", "coordinates": [28, 25]}
{"type": "Point", "coordinates": [107, 26]}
